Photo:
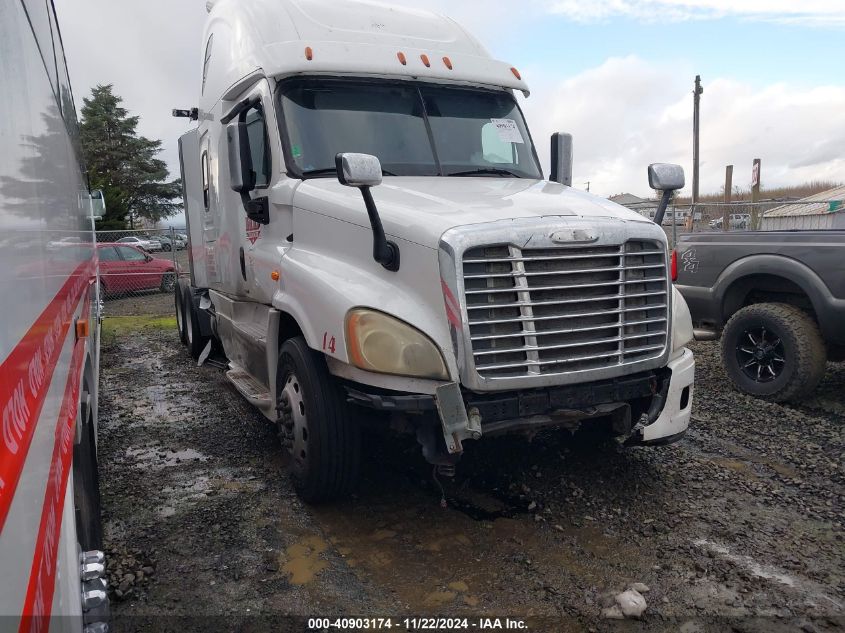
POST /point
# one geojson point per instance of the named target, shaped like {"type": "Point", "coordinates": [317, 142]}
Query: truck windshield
{"type": "Point", "coordinates": [414, 130]}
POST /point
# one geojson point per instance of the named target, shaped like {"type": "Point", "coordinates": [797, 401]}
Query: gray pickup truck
{"type": "Point", "coordinates": [776, 297]}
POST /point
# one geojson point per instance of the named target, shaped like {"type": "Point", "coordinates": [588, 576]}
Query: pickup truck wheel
{"type": "Point", "coordinates": [315, 425]}
{"type": "Point", "coordinates": [773, 351]}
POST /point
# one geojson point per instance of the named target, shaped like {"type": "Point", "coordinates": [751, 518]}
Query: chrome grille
{"type": "Point", "coordinates": [562, 310]}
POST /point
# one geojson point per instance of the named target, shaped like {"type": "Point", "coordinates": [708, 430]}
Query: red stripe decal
{"type": "Point", "coordinates": [453, 309]}
{"type": "Point", "coordinates": [42, 577]}
{"type": "Point", "coordinates": [25, 377]}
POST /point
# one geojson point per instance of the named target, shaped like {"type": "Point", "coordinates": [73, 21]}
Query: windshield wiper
{"type": "Point", "coordinates": [332, 171]}
{"type": "Point", "coordinates": [486, 171]}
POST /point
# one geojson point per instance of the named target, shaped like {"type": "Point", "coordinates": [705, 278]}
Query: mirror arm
{"type": "Point", "coordinates": [661, 208]}
{"type": "Point", "coordinates": [385, 252]}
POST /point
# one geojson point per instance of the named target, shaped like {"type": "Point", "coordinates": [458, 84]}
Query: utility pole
{"type": "Point", "coordinates": [696, 104]}
{"type": "Point", "coordinates": [726, 212]}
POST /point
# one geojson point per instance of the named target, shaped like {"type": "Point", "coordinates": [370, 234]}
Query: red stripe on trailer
{"type": "Point", "coordinates": [25, 378]}
{"type": "Point", "coordinates": [42, 577]}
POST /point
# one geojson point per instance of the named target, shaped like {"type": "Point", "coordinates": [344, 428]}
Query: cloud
{"type": "Point", "coordinates": [627, 113]}
{"type": "Point", "coordinates": [624, 113]}
{"type": "Point", "coordinates": [830, 13]}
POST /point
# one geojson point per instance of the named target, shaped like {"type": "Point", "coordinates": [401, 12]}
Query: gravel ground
{"type": "Point", "coordinates": [739, 527]}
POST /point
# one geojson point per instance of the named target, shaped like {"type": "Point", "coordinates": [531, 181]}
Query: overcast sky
{"type": "Point", "coordinates": [617, 74]}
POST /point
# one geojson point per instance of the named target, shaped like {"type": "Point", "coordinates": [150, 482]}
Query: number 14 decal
{"type": "Point", "coordinates": [328, 342]}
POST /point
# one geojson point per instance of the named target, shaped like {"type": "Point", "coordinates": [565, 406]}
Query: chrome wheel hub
{"type": "Point", "coordinates": [293, 423]}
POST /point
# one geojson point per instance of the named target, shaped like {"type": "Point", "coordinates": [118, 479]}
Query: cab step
{"type": "Point", "coordinates": [257, 394]}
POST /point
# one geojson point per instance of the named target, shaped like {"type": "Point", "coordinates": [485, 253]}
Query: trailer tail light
{"type": "Point", "coordinates": [674, 265]}
{"type": "Point", "coordinates": [425, 61]}
{"type": "Point", "coordinates": [402, 59]}
{"type": "Point", "coordinates": [447, 62]}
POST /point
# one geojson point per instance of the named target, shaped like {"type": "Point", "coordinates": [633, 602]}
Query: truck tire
{"type": "Point", "coordinates": [194, 339]}
{"type": "Point", "coordinates": [179, 303]}
{"type": "Point", "coordinates": [773, 351]}
{"type": "Point", "coordinates": [86, 485]}
{"type": "Point", "coordinates": [316, 425]}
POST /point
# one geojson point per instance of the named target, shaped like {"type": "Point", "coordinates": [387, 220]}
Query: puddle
{"type": "Point", "coordinates": [157, 458]}
{"type": "Point", "coordinates": [303, 562]}
{"type": "Point", "coordinates": [757, 569]}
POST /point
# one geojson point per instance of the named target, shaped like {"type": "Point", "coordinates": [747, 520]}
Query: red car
{"type": "Point", "coordinates": [125, 268]}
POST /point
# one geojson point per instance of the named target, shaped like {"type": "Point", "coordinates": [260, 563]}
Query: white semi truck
{"type": "Point", "coordinates": [370, 231]}
{"type": "Point", "coordinates": [51, 563]}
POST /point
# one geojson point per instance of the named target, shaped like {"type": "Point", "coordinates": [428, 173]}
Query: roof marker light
{"type": "Point", "coordinates": [402, 59]}
{"type": "Point", "coordinates": [425, 61]}
{"type": "Point", "coordinates": [447, 62]}
{"type": "Point", "coordinates": [309, 53]}
{"type": "Point", "coordinates": [516, 73]}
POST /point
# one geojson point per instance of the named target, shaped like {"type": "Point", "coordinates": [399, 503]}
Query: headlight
{"type": "Point", "coordinates": [681, 321]}
{"type": "Point", "coordinates": [378, 342]}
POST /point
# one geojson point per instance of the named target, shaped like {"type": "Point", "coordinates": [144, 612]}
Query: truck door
{"type": "Point", "coordinates": [259, 246]}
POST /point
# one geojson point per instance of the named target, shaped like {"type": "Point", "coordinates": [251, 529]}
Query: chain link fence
{"type": "Point", "coordinates": [138, 270]}
{"type": "Point", "coordinates": [767, 215]}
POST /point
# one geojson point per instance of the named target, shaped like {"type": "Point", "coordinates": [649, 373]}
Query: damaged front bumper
{"type": "Point", "coordinates": [647, 408]}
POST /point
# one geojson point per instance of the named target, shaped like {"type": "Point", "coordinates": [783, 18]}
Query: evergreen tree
{"type": "Point", "coordinates": [123, 164]}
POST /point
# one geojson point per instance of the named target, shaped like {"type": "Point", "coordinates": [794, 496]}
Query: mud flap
{"type": "Point", "coordinates": [457, 426]}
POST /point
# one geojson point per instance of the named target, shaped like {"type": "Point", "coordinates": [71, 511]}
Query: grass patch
{"type": "Point", "coordinates": [116, 326]}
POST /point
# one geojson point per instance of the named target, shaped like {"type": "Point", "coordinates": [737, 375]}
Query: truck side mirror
{"type": "Point", "coordinates": [98, 204]}
{"type": "Point", "coordinates": [358, 170]}
{"type": "Point", "coordinates": [364, 171]}
{"type": "Point", "coordinates": [561, 159]}
{"type": "Point", "coordinates": [665, 177]}
{"type": "Point", "coordinates": [241, 176]}
{"type": "Point", "coordinates": [242, 173]}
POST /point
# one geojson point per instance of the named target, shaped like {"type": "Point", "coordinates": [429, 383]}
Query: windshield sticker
{"type": "Point", "coordinates": [508, 132]}
{"type": "Point", "coordinates": [296, 150]}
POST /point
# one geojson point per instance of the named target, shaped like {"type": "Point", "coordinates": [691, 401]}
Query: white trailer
{"type": "Point", "coordinates": [372, 240]}
{"type": "Point", "coordinates": [50, 535]}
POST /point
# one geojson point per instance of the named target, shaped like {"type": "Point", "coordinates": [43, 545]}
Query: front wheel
{"type": "Point", "coordinates": [773, 351]}
{"type": "Point", "coordinates": [316, 425]}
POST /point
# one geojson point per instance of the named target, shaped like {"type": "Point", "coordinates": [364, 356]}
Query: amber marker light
{"type": "Point", "coordinates": [82, 327]}
{"type": "Point", "coordinates": [425, 61]}
{"type": "Point", "coordinates": [516, 73]}
{"type": "Point", "coordinates": [447, 62]}
{"type": "Point", "coordinates": [275, 276]}
{"type": "Point", "coordinates": [402, 59]}
{"type": "Point", "coordinates": [309, 53]}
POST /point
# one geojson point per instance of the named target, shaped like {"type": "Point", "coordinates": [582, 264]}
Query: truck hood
{"type": "Point", "coordinates": [421, 209]}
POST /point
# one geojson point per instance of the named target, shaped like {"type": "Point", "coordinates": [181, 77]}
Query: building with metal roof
{"type": "Point", "coordinates": [825, 210]}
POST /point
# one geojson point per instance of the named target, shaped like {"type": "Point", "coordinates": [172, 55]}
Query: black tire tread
{"type": "Point", "coordinates": [809, 348]}
{"type": "Point", "coordinates": [334, 472]}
